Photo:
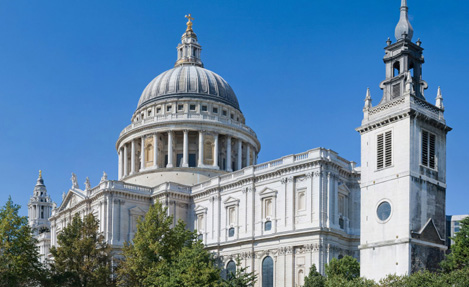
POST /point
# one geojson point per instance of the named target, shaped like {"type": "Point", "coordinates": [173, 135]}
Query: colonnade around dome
{"type": "Point", "coordinates": [184, 149]}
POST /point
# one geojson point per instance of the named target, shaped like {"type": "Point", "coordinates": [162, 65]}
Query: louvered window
{"type": "Point", "coordinates": [384, 150]}
{"type": "Point", "coordinates": [428, 149]}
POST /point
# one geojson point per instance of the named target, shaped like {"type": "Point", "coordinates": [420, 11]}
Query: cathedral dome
{"type": "Point", "coordinates": [189, 81]}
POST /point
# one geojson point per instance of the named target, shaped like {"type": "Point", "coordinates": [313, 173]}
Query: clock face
{"type": "Point", "coordinates": [384, 210]}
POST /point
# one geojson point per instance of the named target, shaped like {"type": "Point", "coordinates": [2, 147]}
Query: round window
{"type": "Point", "coordinates": [384, 210]}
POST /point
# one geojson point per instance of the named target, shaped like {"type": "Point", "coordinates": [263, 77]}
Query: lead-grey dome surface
{"type": "Point", "coordinates": [188, 81]}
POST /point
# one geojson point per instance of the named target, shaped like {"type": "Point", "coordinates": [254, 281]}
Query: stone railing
{"type": "Point", "coordinates": [122, 186]}
{"type": "Point", "coordinates": [314, 154]}
{"type": "Point", "coordinates": [188, 117]}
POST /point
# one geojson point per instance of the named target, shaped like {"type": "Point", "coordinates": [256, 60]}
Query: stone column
{"type": "Point", "coordinates": [119, 175]}
{"type": "Point", "coordinates": [228, 154]}
{"type": "Point", "coordinates": [240, 154]}
{"type": "Point", "coordinates": [170, 149]}
{"type": "Point", "coordinates": [155, 150]}
{"type": "Point", "coordinates": [132, 157]}
{"type": "Point", "coordinates": [142, 154]}
{"type": "Point", "coordinates": [185, 152]}
{"type": "Point", "coordinates": [215, 152]}
{"type": "Point", "coordinates": [126, 160]}
{"type": "Point", "coordinates": [201, 149]}
{"type": "Point", "coordinates": [248, 155]}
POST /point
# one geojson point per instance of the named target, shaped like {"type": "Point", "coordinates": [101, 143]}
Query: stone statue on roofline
{"type": "Point", "coordinates": [74, 181]}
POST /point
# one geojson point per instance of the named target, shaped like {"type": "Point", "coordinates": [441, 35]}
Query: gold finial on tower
{"type": "Point", "coordinates": [189, 23]}
{"type": "Point", "coordinates": [40, 173]}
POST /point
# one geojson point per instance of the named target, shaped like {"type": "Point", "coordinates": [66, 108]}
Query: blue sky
{"type": "Point", "coordinates": [71, 74]}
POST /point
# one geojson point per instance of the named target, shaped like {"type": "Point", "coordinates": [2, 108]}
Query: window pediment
{"type": "Point", "coordinates": [136, 210]}
{"type": "Point", "coordinates": [200, 209]}
{"type": "Point", "coordinates": [231, 201]}
{"type": "Point", "coordinates": [343, 189]}
{"type": "Point", "coordinates": [268, 192]}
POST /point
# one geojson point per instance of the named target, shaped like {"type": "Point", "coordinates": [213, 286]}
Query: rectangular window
{"type": "Point", "coordinates": [224, 113]}
{"type": "Point", "coordinates": [396, 90]}
{"type": "Point", "coordinates": [192, 107]}
{"type": "Point", "coordinates": [180, 107]}
{"type": "Point", "coordinates": [384, 150]}
{"type": "Point", "coordinates": [168, 108]}
{"type": "Point", "coordinates": [428, 149]}
{"type": "Point", "coordinates": [215, 110]}
{"type": "Point", "coordinates": [204, 108]}
{"type": "Point", "coordinates": [158, 110]}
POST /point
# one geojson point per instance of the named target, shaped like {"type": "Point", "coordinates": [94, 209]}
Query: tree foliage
{"type": "Point", "coordinates": [240, 278]}
{"type": "Point", "coordinates": [82, 258]}
{"type": "Point", "coordinates": [19, 258]}
{"type": "Point", "coordinates": [459, 256]}
{"type": "Point", "coordinates": [314, 278]}
{"type": "Point", "coordinates": [347, 268]}
{"type": "Point", "coordinates": [163, 256]}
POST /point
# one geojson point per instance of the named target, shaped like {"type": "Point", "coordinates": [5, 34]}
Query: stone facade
{"type": "Point", "coordinates": [188, 146]}
{"type": "Point", "coordinates": [403, 173]}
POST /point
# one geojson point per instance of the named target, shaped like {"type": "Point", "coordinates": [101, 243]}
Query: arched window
{"type": "Point", "coordinates": [396, 69]}
{"type": "Point", "coordinates": [301, 201]}
{"type": "Point", "coordinates": [208, 152]}
{"type": "Point", "coordinates": [231, 232]}
{"type": "Point", "coordinates": [268, 207]}
{"type": "Point", "coordinates": [149, 155]}
{"type": "Point", "coordinates": [301, 278]}
{"type": "Point", "coordinates": [230, 269]}
{"type": "Point", "coordinates": [268, 272]}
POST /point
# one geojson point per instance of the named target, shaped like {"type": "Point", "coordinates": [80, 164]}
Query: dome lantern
{"type": "Point", "coordinates": [189, 49]}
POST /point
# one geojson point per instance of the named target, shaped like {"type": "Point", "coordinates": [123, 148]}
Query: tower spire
{"type": "Point", "coordinates": [403, 29]}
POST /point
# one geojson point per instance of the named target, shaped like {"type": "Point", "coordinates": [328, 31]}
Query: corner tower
{"type": "Point", "coordinates": [39, 210]}
{"type": "Point", "coordinates": [403, 157]}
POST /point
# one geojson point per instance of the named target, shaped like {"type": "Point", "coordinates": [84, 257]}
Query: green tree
{"type": "Point", "coordinates": [240, 278]}
{"type": "Point", "coordinates": [19, 258]}
{"type": "Point", "coordinates": [314, 278]}
{"type": "Point", "coordinates": [163, 256]}
{"type": "Point", "coordinates": [459, 256]}
{"type": "Point", "coordinates": [347, 268]}
{"type": "Point", "coordinates": [82, 258]}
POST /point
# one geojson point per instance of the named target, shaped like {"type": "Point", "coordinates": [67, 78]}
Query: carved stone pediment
{"type": "Point", "coordinates": [343, 189]}
{"type": "Point", "coordinates": [429, 233]}
{"type": "Point", "coordinates": [200, 209]}
{"type": "Point", "coordinates": [72, 198]}
{"type": "Point", "coordinates": [268, 192]}
{"type": "Point", "coordinates": [136, 210]}
{"type": "Point", "coordinates": [231, 201]}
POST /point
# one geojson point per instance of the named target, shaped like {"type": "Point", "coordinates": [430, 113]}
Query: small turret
{"type": "Point", "coordinates": [367, 99]}
{"type": "Point", "coordinates": [439, 100]}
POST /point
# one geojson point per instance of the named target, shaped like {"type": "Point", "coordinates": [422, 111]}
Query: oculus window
{"type": "Point", "coordinates": [384, 210]}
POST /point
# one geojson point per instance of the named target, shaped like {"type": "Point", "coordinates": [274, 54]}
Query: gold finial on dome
{"type": "Point", "coordinates": [40, 173]}
{"type": "Point", "coordinates": [189, 23]}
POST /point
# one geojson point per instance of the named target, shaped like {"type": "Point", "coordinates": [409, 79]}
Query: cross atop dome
{"type": "Point", "coordinates": [189, 23]}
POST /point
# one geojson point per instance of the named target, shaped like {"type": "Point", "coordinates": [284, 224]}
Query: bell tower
{"type": "Point", "coordinates": [403, 157]}
{"type": "Point", "coordinates": [39, 210]}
